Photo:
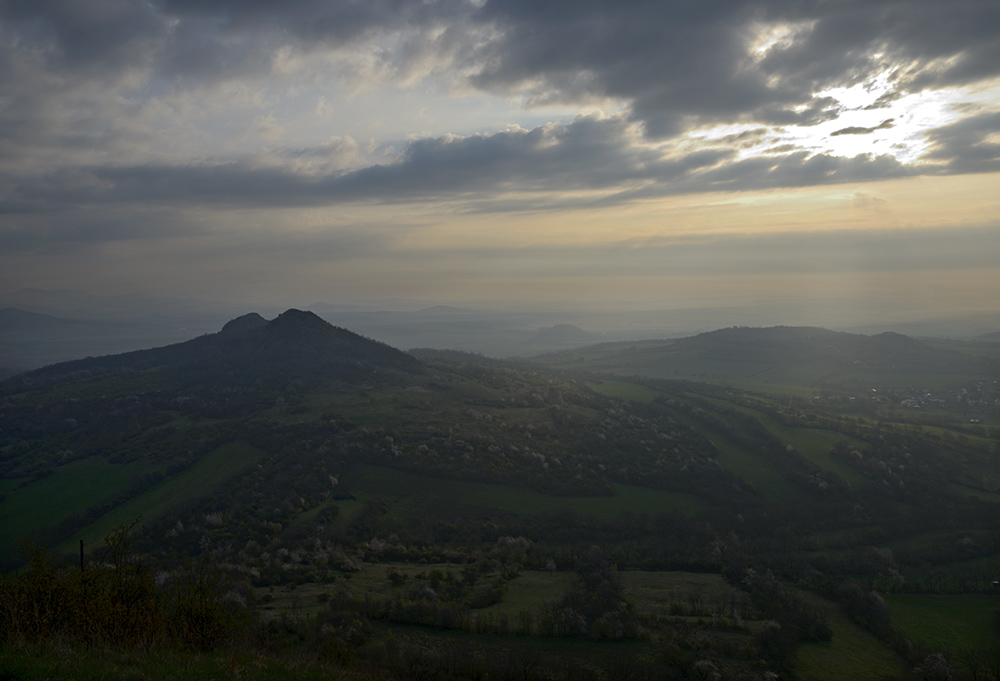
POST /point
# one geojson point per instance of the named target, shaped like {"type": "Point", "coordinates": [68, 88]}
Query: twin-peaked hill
{"type": "Point", "coordinates": [301, 341]}
{"type": "Point", "coordinates": [295, 345]}
{"type": "Point", "coordinates": [291, 453]}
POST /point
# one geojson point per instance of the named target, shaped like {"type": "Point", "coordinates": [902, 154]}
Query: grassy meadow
{"type": "Point", "coordinates": [183, 488]}
{"type": "Point", "coordinates": [412, 491]}
{"type": "Point", "coordinates": [35, 508]}
{"type": "Point", "coordinates": [851, 653]}
{"type": "Point", "coordinates": [949, 622]}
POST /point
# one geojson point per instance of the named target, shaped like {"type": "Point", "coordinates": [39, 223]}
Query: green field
{"type": "Point", "coordinates": [947, 622]}
{"type": "Point", "coordinates": [689, 592]}
{"type": "Point", "coordinates": [851, 653]}
{"type": "Point", "coordinates": [766, 477]}
{"type": "Point", "coordinates": [180, 490]}
{"type": "Point", "coordinates": [651, 592]}
{"type": "Point", "coordinates": [813, 443]}
{"type": "Point", "coordinates": [703, 607]}
{"type": "Point", "coordinates": [69, 490]}
{"type": "Point", "coordinates": [531, 590]}
{"type": "Point", "coordinates": [369, 481]}
{"type": "Point", "coordinates": [624, 390]}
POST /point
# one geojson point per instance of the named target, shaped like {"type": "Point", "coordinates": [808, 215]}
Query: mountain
{"type": "Point", "coordinates": [352, 482]}
{"type": "Point", "coordinates": [272, 409]}
{"type": "Point", "coordinates": [782, 357]}
{"type": "Point", "coordinates": [249, 350]}
{"type": "Point", "coordinates": [13, 320]}
{"type": "Point", "coordinates": [565, 334]}
{"type": "Point", "coordinates": [302, 342]}
{"type": "Point", "coordinates": [784, 344]}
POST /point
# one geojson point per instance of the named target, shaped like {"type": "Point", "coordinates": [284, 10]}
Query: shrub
{"type": "Point", "coordinates": [115, 601]}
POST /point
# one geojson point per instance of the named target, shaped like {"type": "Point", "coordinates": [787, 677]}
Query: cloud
{"type": "Point", "coordinates": [171, 105]}
{"type": "Point", "coordinates": [601, 156]}
{"type": "Point", "coordinates": [670, 63]}
{"type": "Point", "coordinates": [884, 100]}
{"type": "Point", "coordinates": [73, 231]}
{"type": "Point", "coordinates": [88, 38]}
{"type": "Point", "coordinates": [217, 234]}
{"type": "Point", "coordinates": [866, 201]}
{"type": "Point", "coordinates": [676, 61]}
{"type": "Point", "coordinates": [856, 130]}
{"type": "Point", "coordinates": [970, 145]}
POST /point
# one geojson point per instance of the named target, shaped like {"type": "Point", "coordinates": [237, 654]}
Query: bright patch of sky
{"type": "Point", "coordinates": [895, 127]}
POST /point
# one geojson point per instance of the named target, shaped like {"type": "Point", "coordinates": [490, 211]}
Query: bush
{"type": "Point", "coordinates": [197, 613]}
{"type": "Point", "coordinates": [115, 601]}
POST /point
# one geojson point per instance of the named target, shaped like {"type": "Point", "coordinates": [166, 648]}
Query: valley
{"type": "Point", "coordinates": [755, 503]}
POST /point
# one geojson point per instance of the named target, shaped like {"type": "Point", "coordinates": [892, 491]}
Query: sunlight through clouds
{"type": "Point", "coordinates": [869, 122]}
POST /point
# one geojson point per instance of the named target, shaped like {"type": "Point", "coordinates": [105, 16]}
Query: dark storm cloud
{"type": "Point", "coordinates": [678, 60]}
{"type": "Point", "coordinates": [670, 60]}
{"type": "Point", "coordinates": [674, 66]}
{"type": "Point", "coordinates": [93, 36]}
{"type": "Point", "coordinates": [229, 38]}
{"type": "Point", "coordinates": [969, 145]}
{"type": "Point", "coordinates": [590, 154]}
{"type": "Point", "coordinates": [219, 37]}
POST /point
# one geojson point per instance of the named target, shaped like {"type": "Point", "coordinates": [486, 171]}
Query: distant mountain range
{"type": "Point", "coordinates": [39, 327]}
{"type": "Point", "coordinates": [30, 339]}
{"type": "Point", "coordinates": [783, 355]}
{"type": "Point", "coordinates": [782, 344]}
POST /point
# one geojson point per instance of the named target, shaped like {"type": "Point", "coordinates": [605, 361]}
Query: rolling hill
{"type": "Point", "coordinates": [443, 494]}
{"type": "Point", "coordinates": [789, 359]}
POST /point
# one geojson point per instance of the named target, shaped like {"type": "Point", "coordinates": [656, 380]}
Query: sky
{"type": "Point", "coordinates": [843, 156]}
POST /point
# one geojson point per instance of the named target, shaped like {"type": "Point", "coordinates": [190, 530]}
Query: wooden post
{"type": "Point", "coordinates": [81, 555]}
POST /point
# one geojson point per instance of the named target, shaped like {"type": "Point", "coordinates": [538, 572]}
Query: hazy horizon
{"type": "Point", "coordinates": [117, 323]}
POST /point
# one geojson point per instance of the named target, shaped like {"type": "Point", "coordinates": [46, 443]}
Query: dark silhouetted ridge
{"type": "Point", "coordinates": [304, 341]}
{"type": "Point", "coordinates": [295, 345]}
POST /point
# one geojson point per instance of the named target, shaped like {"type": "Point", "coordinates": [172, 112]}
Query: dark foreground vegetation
{"type": "Point", "coordinates": [748, 504]}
